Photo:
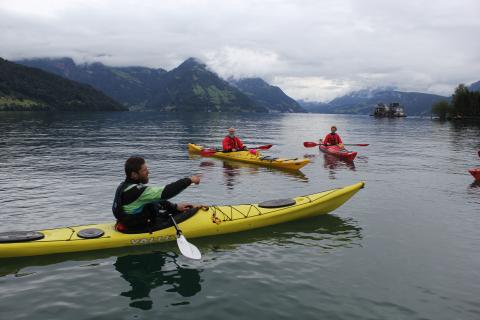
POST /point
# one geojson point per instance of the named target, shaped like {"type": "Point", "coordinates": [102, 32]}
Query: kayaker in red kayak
{"type": "Point", "coordinates": [332, 139]}
{"type": "Point", "coordinates": [141, 208]}
{"type": "Point", "coordinates": [232, 142]}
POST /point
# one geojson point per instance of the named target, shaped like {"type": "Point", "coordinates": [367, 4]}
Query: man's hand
{"type": "Point", "coordinates": [195, 179]}
{"type": "Point", "coordinates": [184, 206]}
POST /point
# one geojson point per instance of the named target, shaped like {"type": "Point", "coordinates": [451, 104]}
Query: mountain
{"type": "Point", "coordinates": [30, 89]}
{"type": "Point", "coordinates": [363, 101]}
{"type": "Point", "coordinates": [266, 95]}
{"type": "Point", "coordinates": [192, 87]}
{"type": "Point", "coordinates": [474, 86]}
{"type": "Point", "coordinates": [131, 86]}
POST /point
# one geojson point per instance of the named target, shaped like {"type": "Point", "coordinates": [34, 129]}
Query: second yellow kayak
{"type": "Point", "coordinates": [255, 158]}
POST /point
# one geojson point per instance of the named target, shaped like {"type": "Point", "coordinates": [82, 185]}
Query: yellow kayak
{"type": "Point", "coordinates": [255, 158]}
{"type": "Point", "coordinates": [206, 222]}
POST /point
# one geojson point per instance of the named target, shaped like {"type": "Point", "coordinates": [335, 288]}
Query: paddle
{"type": "Point", "coordinates": [186, 248]}
{"type": "Point", "coordinates": [308, 144]}
{"type": "Point", "coordinates": [210, 151]}
{"type": "Point", "coordinates": [268, 146]}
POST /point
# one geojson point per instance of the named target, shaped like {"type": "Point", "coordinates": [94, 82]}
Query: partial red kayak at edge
{"type": "Point", "coordinates": [475, 172]}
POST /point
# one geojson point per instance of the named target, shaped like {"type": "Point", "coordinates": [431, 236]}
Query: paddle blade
{"type": "Point", "coordinates": [207, 152]}
{"type": "Point", "coordinates": [357, 144]}
{"type": "Point", "coordinates": [187, 249]}
{"type": "Point", "coordinates": [307, 144]}
{"type": "Point", "coordinates": [265, 147]}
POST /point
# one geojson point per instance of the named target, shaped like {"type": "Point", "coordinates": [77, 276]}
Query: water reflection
{"type": "Point", "coordinates": [18, 266]}
{"type": "Point", "coordinates": [147, 271]}
{"type": "Point", "coordinates": [205, 164]}
{"type": "Point", "coordinates": [230, 173]}
{"type": "Point", "coordinates": [325, 231]}
{"type": "Point", "coordinates": [475, 184]}
{"type": "Point", "coordinates": [461, 133]}
{"type": "Point", "coordinates": [232, 170]}
{"type": "Point", "coordinates": [334, 164]}
{"type": "Point", "coordinates": [465, 124]}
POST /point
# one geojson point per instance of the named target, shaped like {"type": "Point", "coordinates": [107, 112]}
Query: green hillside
{"type": "Point", "coordinates": [29, 89]}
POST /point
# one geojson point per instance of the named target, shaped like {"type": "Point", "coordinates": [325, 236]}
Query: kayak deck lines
{"type": "Point", "coordinates": [229, 216]}
{"type": "Point", "coordinates": [71, 235]}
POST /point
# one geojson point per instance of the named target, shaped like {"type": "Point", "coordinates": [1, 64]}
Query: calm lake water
{"type": "Point", "coordinates": [405, 247]}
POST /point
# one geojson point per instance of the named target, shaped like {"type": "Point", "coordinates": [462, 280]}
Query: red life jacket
{"type": "Point", "coordinates": [332, 139]}
{"type": "Point", "coordinates": [230, 143]}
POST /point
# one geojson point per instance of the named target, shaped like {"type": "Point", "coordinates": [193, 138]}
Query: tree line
{"type": "Point", "coordinates": [465, 104]}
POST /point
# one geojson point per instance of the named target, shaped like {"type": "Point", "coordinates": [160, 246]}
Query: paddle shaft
{"type": "Point", "coordinates": [187, 249]}
{"type": "Point", "coordinates": [264, 147]}
{"type": "Point", "coordinates": [211, 151]}
{"type": "Point", "coordinates": [308, 144]}
{"type": "Point", "coordinates": [179, 232]}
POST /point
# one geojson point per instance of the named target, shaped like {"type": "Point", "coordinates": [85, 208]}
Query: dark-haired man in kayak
{"type": "Point", "coordinates": [141, 208]}
{"type": "Point", "coordinates": [232, 142]}
{"type": "Point", "coordinates": [332, 139]}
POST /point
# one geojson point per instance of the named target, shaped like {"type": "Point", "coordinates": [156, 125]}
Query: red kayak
{"type": "Point", "coordinates": [475, 172]}
{"type": "Point", "coordinates": [337, 152]}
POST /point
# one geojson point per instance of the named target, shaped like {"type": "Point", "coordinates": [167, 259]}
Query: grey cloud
{"type": "Point", "coordinates": [312, 49]}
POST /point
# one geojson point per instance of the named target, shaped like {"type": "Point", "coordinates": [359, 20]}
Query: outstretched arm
{"type": "Point", "coordinates": [174, 188]}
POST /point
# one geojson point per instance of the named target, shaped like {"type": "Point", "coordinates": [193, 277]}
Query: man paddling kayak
{"type": "Point", "coordinates": [332, 139]}
{"type": "Point", "coordinates": [232, 142]}
{"type": "Point", "coordinates": [142, 208]}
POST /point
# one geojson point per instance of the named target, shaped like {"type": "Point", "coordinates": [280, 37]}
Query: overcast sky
{"type": "Point", "coordinates": [313, 50]}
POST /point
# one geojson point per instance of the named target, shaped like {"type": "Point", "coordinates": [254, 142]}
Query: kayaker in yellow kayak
{"type": "Point", "coordinates": [232, 142]}
{"type": "Point", "coordinates": [141, 208]}
{"type": "Point", "coordinates": [332, 139]}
